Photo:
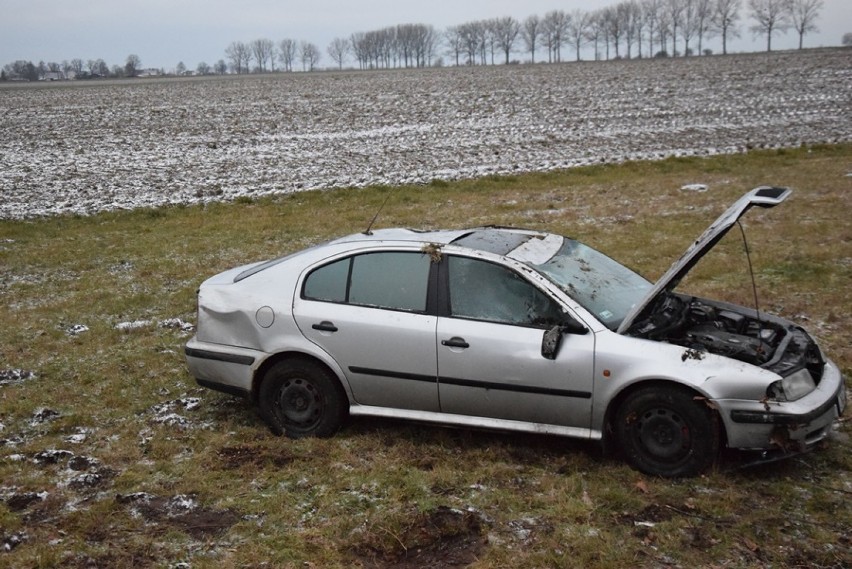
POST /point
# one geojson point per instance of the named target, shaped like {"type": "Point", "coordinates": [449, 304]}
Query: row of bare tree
{"type": "Point", "coordinates": [629, 28]}
{"type": "Point", "coordinates": [264, 53]}
{"type": "Point", "coordinates": [642, 28]}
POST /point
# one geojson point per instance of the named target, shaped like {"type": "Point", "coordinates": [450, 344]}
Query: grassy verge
{"type": "Point", "coordinates": [111, 456]}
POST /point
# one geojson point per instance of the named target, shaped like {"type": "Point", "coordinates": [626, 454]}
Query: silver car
{"type": "Point", "coordinates": [516, 330]}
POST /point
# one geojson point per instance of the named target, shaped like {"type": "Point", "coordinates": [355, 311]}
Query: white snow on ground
{"type": "Point", "coordinates": [87, 147]}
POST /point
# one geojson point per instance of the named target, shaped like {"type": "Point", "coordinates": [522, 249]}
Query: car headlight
{"type": "Point", "coordinates": [793, 387]}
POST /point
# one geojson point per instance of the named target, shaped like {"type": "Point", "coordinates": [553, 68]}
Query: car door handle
{"type": "Point", "coordinates": [325, 326]}
{"type": "Point", "coordinates": [455, 342]}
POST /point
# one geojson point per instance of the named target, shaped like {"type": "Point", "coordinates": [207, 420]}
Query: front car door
{"type": "Point", "coordinates": [489, 349]}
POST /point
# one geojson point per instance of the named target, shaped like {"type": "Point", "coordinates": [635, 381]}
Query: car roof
{"type": "Point", "coordinates": [491, 239]}
{"type": "Point", "coordinates": [438, 237]}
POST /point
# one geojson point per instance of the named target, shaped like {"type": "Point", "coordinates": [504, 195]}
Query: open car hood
{"type": "Point", "coordinates": [763, 196]}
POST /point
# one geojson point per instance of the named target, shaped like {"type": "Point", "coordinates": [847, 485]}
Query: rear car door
{"type": "Point", "coordinates": [369, 312]}
{"type": "Point", "coordinates": [489, 349]}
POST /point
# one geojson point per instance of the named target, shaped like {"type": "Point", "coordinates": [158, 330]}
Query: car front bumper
{"type": "Point", "coordinates": [788, 426]}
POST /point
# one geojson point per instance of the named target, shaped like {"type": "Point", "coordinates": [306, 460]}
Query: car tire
{"type": "Point", "coordinates": [302, 399]}
{"type": "Point", "coordinates": [665, 431]}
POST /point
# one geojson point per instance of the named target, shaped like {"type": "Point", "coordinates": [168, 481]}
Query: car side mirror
{"type": "Point", "coordinates": [552, 338]}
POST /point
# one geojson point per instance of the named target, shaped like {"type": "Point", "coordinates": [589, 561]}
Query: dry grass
{"type": "Point", "coordinates": [382, 493]}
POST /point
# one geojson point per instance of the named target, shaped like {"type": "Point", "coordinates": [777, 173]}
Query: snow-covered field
{"type": "Point", "coordinates": [88, 147]}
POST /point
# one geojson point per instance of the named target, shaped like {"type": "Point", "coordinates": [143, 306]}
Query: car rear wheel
{"type": "Point", "coordinates": [667, 432]}
{"type": "Point", "coordinates": [302, 399]}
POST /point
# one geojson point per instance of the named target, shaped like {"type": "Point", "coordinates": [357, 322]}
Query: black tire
{"type": "Point", "coordinates": [665, 431]}
{"type": "Point", "coordinates": [302, 399]}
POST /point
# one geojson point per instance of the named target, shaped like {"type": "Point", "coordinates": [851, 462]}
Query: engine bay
{"type": "Point", "coordinates": [731, 331]}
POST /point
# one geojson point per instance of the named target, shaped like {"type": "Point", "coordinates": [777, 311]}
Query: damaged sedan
{"type": "Point", "coordinates": [516, 330]}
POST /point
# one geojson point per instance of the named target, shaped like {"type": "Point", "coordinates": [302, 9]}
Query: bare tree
{"type": "Point", "coordinates": [410, 45]}
{"type": "Point", "coordinates": [674, 13]}
{"type": "Point", "coordinates": [578, 30]}
{"type": "Point", "coordinates": [132, 65]}
{"type": "Point", "coordinates": [77, 66]}
{"type": "Point", "coordinates": [263, 51]}
{"type": "Point", "coordinates": [506, 32]}
{"type": "Point", "coordinates": [770, 17]}
{"type": "Point", "coordinates": [406, 40]}
{"type": "Point", "coordinates": [724, 18]}
{"type": "Point", "coordinates": [202, 68]}
{"type": "Point", "coordinates": [615, 24]}
{"type": "Point", "coordinates": [651, 12]}
{"type": "Point", "coordinates": [309, 54]}
{"type": "Point", "coordinates": [375, 49]}
{"type": "Point", "coordinates": [239, 57]}
{"type": "Point", "coordinates": [220, 67]}
{"type": "Point", "coordinates": [703, 25]}
{"type": "Point", "coordinates": [454, 43]}
{"type": "Point", "coordinates": [287, 53]}
{"type": "Point", "coordinates": [664, 29]}
{"type": "Point", "coordinates": [490, 44]}
{"type": "Point", "coordinates": [472, 39]}
{"type": "Point", "coordinates": [598, 32]}
{"type": "Point", "coordinates": [338, 49]}
{"type": "Point", "coordinates": [555, 29]}
{"type": "Point", "coordinates": [847, 39]}
{"type": "Point", "coordinates": [425, 38]}
{"type": "Point", "coordinates": [180, 68]}
{"type": "Point", "coordinates": [631, 15]}
{"type": "Point", "coordinates": [530, 34]}
{"type": "Point", "coordinates": [25, 70]}
{"type": "Point", "coordinates": [803, 15]}
{"type": "Point", "coordinates": [358, 41]}
{"type": "Point", "coordinates": [688, 24]}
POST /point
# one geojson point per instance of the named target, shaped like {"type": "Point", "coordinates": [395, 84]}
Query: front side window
{"type": "Point", "coordinates": [393, 280]}
{"type": "Point", "coordinates": [481, 290]}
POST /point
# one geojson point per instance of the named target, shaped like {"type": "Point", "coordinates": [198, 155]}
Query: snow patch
{"type": "Point", "coordinates": [134, 325]}
{"type": "Point", "coordinates": [14, 376]}
{"type": "Point", "coordinates": [76, 329]}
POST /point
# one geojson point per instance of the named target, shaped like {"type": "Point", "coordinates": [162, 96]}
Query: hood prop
{"type": "Point", "coordinates": [751, 273]}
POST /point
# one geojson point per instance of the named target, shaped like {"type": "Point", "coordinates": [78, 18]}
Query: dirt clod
{"type": "Point", "coordinates": [445, 538]}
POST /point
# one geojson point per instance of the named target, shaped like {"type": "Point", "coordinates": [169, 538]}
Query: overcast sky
{"type": "Point", "coordinates": [164, 32]}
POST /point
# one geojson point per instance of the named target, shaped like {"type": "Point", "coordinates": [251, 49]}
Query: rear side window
{"type": "Point", "coordinates": [393, 280]}
{"type": "Point", "coordinates": [328, 282]}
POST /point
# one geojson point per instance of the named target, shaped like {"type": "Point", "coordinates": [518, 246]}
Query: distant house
{"type": "Point", "coordinates": [53, 76]}
{"type": "Point", "coordinates": [150, 72]}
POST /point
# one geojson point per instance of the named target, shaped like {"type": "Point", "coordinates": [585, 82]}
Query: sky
{"type": "Point", "coordinates": [165, 32]}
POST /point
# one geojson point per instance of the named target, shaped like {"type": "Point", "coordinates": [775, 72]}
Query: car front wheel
{"type": "Point", "coordinates": [664, 431]}
{"type": "Point", "coordinates": [301, 399]}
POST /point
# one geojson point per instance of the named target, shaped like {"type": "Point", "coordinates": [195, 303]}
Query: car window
{"type": "Point", "coordinates": [485, 291]}
{"type": "Point", "coordinates": [328, 282]}
{"type": "Point", "coordinates": [394, 280]}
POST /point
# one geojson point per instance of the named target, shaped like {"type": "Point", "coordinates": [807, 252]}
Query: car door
{"type": "Point", "coordinates": [369, 313]}
{"type": "Point", "coordinates": [489, 349]}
